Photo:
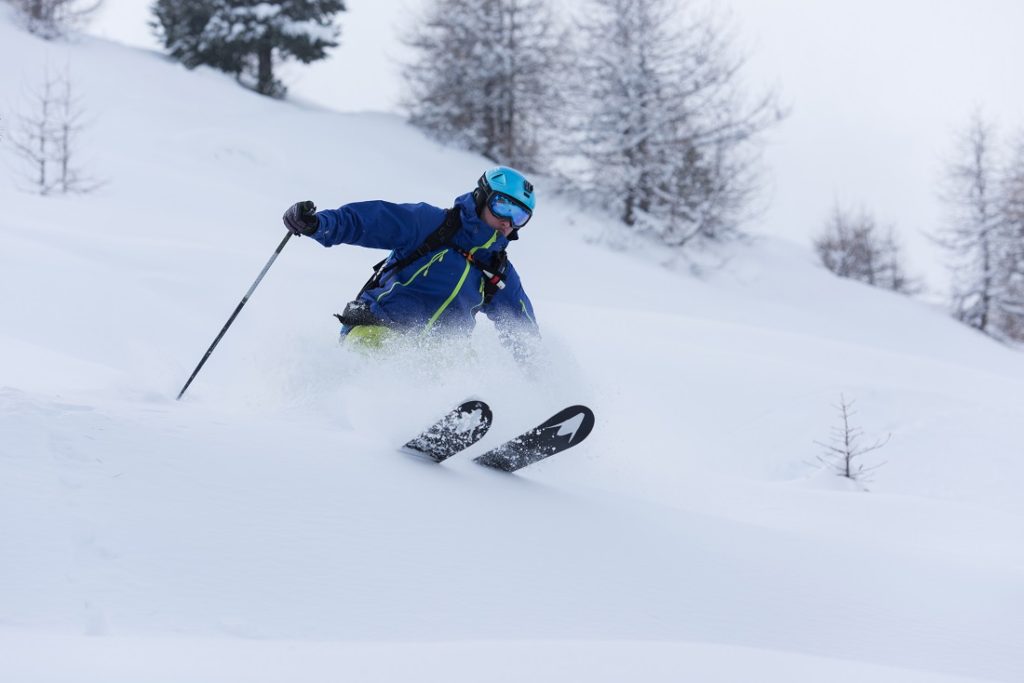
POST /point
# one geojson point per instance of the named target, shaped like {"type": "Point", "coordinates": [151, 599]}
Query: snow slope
{"type": "Point", "coordinates": [265, 529]}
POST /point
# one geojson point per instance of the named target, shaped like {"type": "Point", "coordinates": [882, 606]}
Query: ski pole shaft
{"type": "Point", "coordinates": [235, 314]}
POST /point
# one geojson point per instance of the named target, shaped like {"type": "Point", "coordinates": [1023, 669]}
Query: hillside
{"type": "Point", "coordinates": [265, 528]}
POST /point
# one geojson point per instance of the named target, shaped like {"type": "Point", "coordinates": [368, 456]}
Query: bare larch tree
{"type": "Point", "coordinates": [665, 132]}
{"type": "Point", "coordinates": [46, 138]}
{"type": "Point", "coordinates": [1012, 208]}
{"type": "Point", "coordinates": [844, 450]}
{"type": "Point", "coordinates": [486, 77]}
{"type": "Point", "coordinates": [979, 238]}
{"type": "Point", "coordinates": [851, 245]}
{"type": "Point", "coordinates": [51, 19]}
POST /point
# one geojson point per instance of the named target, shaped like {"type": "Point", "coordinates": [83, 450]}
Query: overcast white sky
{"type": "Point", "coordinates": [877, 89]}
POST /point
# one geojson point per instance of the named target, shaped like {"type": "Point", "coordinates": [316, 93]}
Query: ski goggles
{"type": "Point", "coordinates": [503, 206]}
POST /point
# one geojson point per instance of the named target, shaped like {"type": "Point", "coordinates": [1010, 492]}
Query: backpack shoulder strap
{"type": "Point", "coordinates": [441, 236]}
{"type": "Point", "coordinates": [435, 240]}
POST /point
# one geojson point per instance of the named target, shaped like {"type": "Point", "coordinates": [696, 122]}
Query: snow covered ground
{"type": "Point", "coordinates": [265, 528]}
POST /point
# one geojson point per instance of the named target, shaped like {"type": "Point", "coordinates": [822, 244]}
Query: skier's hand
{"type": "Point", "coordinates": [300, 218]}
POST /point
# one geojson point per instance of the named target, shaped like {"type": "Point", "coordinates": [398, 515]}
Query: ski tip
{"type": "Point", "coordinates": [579, 409]}
{"type": "Point", "coordinates": [473, 406]}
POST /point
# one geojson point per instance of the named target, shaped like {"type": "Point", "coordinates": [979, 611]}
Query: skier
{"type": "Point", "coordinates": [444, 267]}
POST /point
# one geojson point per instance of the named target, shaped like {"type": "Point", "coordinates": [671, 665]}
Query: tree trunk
{"type": "Point", "coordinates": [265, 70]}
{"type": "Point", "coordinates": [629, 208]}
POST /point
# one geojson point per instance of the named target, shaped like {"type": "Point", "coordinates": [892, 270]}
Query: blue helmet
{"type": "Point", "coordinates": [508, 194]}
{"type": "Point", "coordinates": [510, 182]}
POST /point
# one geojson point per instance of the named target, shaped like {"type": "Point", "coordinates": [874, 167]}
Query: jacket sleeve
{"type": "Point", "coordinates": [378, 225]}
{"type": "Point", "coordinates": [512, 314]}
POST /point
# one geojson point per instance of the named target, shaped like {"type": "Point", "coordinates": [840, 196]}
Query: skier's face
{"type": "Point", "coordinates": [502, 225]}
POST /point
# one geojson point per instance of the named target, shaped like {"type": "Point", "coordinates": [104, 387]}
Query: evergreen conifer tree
{"type": "Point", "coordinates": [247, 38]}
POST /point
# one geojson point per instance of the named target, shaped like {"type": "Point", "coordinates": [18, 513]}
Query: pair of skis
{"type": "Point", "coordinates": [466, 424]}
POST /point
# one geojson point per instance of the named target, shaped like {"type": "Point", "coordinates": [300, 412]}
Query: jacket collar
{"type": "Point", "coordinates": [474, 231]}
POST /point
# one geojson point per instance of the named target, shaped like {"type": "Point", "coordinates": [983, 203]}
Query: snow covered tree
{"type": "Point", "coordinates": [853, 246]}
{"type": "Point", "coordinates": [486, 77]}
{"type": "Point", "coordinates": [663, 130]}
{"type": "Point", "coordinates": [52, 19]}
{"type": "Point", "coordinates": [1012, 209]}
{"type": "Point", "coordinates": [982, 238]}
{"type": "Point", "coordinates": [247, 38]}
{"type": "Point", "coordinates": [179, 26]}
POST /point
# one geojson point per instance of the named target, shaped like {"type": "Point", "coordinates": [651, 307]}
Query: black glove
{"type": "Point", "coordinates": [300, 218]}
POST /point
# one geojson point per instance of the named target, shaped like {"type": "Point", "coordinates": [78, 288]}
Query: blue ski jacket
{"type": "Point", "coordinates": [441, 290]}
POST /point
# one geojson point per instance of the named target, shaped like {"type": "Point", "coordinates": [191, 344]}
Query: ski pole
{"type": "Point", "coordinates": [235, 314]}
